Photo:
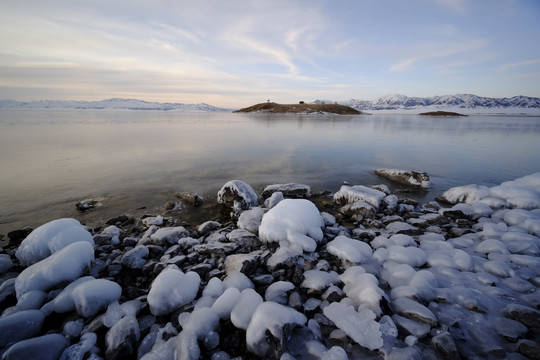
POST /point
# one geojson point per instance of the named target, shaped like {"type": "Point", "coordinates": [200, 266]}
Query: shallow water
{"type": "Point", "coordinates": [49, 159]}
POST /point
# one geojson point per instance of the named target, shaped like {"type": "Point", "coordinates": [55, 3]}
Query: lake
{"type": "Point", "coordinates": [137, 160]}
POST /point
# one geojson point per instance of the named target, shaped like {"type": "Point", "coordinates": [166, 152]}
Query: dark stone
{"type": "Point", "coordinates": [445, 345]}
{"type": "Point", "coordinates": [190, 199]}
{"type": "Point", "coordinates": [16, 236]}
{"type": "Point", "coordinates": [121, 220]}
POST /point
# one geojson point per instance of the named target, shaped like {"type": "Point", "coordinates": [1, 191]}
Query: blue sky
{"type": "Point", "coordinates": [235, 53]}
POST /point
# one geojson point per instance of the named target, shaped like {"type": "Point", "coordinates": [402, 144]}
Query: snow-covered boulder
{"type": "Point", "coordinates": [63, 302]}
{"type": "Point", "coordinates": [50, 238]}
{"type": "Point", "coordinates": [172, 289]}
{"type": "Point", "coordinates": [243, 310]}
{"type": "Point", "coordinates": [363, 288]}
{"type": "Point", "coordinates": [407, 177]}
{"type": "Point", "coordinates": [64, 265]}
{"type": "Point", "coordinates": [351, 194]}
{"type": "Point", "coordinates": [237, 195]}
{"type": "Point", "coordinates": [354, 251]}
{"type": "Point", "coordinates": [92, 296]}
{"type": "Point", "coordinates": [121, 339]}
{"type": "Point", "coordinates": [273, 318]}
{"type": "Point", "coordinates": [46, 347]}
{"type": "Point", "coordinates": [251, 219]}
{"type": "Point", "coordinates": [293, 223]}
{"type": "Point", "coordinates": [168, 235]}
{"type": "Point", "coordinates": [358, 325]}
{"type": "Point", "coordinates": [136, 257]}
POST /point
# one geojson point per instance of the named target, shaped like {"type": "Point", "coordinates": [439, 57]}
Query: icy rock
{"type": "Point", "coordinates": [214, 288]}
{"type": "Point", "coordinates": [136, 257]}
{"type": "Point", "coordinates": [388, 327]}
{"type": "Point", "coordinates": [201, 322]}
{"type": "Point", "coordinates": [524, 314]}
{"type": "Point", "coordinates": [415, 328]}
{"type": "Point", "coordinates": [72, 329]}
{"type": "Point", "coordinates": [397, 274]}
{"type": "Point", "coordinates": [237, 195]}
{"type": "Point", "coordinates": [242, 312]}
{"type": "Point", "coordinates": [121, 339]}
{"type": "Point", "coordinates": [288, 190]}
{"type": "Point", "coordinates": [244, 263]}
{"type": "Point", "coordinates": [44, 347]}
{"type": "Point", "coordinates": [273, 318]}
{"type": "Point", "coordinates": [354, 251]}
{"type": "Point", "coordinates": [153, 220]}
{"type": "Point", "coordinates": [469, 194]}
{"type": "Point", "coordinates": [399, 227]}
{"type": "Point", "coordinates": [237, 280]}
{"type": "Point", "coordinates": [63, 302]}
{"type": "Point", "coordinates": [208, 227]}
{"type": "Point", "coordinates": [172, 289]}
{"type": "Point", "coordinates": [168, 235]}
{"type": "Point", "coordinates": [412, 256]}
{"type": "Point", "coordinates": [226, 302]}
{"type": "Point", "coordinates": [359, 326]}
{"type": "Point", "coordinates": [77, 351]}
{"type": "Point", "coordinates": [243, 238]}
{"type": "Point", "coordinates": [278, 292]}
{"type": "Point", "coordinates": [335, 353]}
{"type": "Point", "coordinates": [273, 200]}
{"type": "Point", "coordinates": [294, 223]}
{"type": "Point", "coordinates": [51, 238]}
{"type": "Point", "coordinates": [251, 219]}
{"type": "Point", "coordinates": [351, 194]}
{"type": "Point", "coordinates": [64, 265]}
{"type": "Point", "coordinates": [358, 207]}
{"type": "Point", "coordinates": [19, 326]}
{"type": "Point", "coordinates": [316, 280]}
{"type": "Point", "coordinates": [5, 263]}
{"type": "Point", "coordinates": [187, 346]}
{"type": "Point", "coordinates": [363, 288]}
{"type": "Point", "coordinates": [414, 310]}
{"type": "Point", "coordinates": [92, 296]}
{"type": "Point", "coordinates": [411, 178]}
{"type": "Point", "coordinates": [114, 232]}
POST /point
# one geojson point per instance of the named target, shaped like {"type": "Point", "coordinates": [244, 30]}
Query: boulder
{"type": "Point", "coordinates": [406, 177]}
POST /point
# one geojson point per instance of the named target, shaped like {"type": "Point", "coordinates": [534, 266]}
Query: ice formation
{"type": "Point", "coordinates": [172, 289]}
{"type": "Point", "coordinates": [50, 238]}
{"type": "Point", "coordinates": [92, 296]}
{"type": "Point", "coordinates": [238, 195]}
{"type": "Point", "coordinates": [348, 249]}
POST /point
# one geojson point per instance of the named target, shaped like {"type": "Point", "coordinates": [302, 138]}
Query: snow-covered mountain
{"type": "Point", "coordinates": [460, 101]}
{"type": "Point", "coordinates": [126, 104]}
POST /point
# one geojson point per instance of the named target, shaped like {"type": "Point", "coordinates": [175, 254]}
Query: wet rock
{"type": "Point", "coordinates": [524, 314]}
{"type": "Point", "coordinates": [291, 190]}
{"type": "Point", "coordinates": [87, 204]}
{"type": "Point", "coordinates": [529, 348]}
{"type": "Point", "coordinates": [16, 236]}
{"type": "Point", "coordinates": [445, 345]}
{"type": "Point", "coordinates": [190, 199]}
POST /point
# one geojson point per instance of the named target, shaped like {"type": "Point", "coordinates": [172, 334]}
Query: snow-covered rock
{"type": "Point", "coordinates": [351, 194]}
{"type": "Point", "coordinates": [243, 310]}
{"type": "Point", "coordinates": [172, 289]}
{"type": "Point", "coordinates": [273, 318]}
{"type": "Point", "coordinates": [290, 190]}
{"type": "Point", "coordinates": [19, 326]}
{"type": "Point", "coordinates": [64, 265]}
{"type": "Point", "coordinates": [354, 251]}
{"type": "Point", "coordinates": [168, 235]}
{"type": "Point", "coordinates": [251, 219]}
{"type": "Point", "coordinates": [90, 297]}
{"type": "Point", "coordinates": [407, 177]}
{"type": "Point", "coordinates": [46, 347]}
{"type": "Point", "coordinates": [237, 195]}
{"type": "Point", "coordinates": [50, 238]}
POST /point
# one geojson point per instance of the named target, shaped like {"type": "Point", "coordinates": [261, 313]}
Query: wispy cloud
{"type": "Point", "coordinates": [518, 64]}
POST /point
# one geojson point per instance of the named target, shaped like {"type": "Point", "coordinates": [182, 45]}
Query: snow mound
{"type": "Point", "coordinates": [358, 325]}
{"type": "Point", "coordinates": [243, 310]}
{"type": "Point", "coordinates": [273, 318]}
{"type": "Point", "coordinates": [238, 195]}
{"type": "Point", "coordinates": [317, 280]}
{"type": "Point", "coordinates": [172, 289]}
{"type": "Point", "coordinates": [348, 249]}
{"type": "Point", "coordinates": [351, 194]}
{"type": "Point", "coordinates": [63, 302]}
{"type": "Point", "coordinates": [363, 288]}
{"type": "Point", "coordinates": [92, 296]}
{"type": "Point", "coordinates": [50, 238]}
{"type": "Point", "coordinates": [293, 223]}
{"type": "Point", "coordinates": [64, 265]}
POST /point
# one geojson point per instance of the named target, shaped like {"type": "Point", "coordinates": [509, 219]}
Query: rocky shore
{"type": "Point", "coordinates": [285, 274]}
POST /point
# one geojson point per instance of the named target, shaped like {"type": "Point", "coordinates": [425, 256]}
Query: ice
{"type": "Point", "coordinates": [214, 288]}
{"type": "Point", "coordinates": [405, 177]}
{"type": "Point", "coordinates": [187, 347]}
{"type": "Point", "coordinates": [73, 329]}
{"type": "Point", "coordinates": [63, 302]}
{"type": "Point", "coordinates": [201, 322]}
{"type": "Point", "coordinates": [358, 325]}
{"type": "Point", "coordinates": [294, 223]}
{"type": "Point", "coordinates": [238, 195]}
{"type": "Point", "coordinates": [363, 288]}
{"type": "Point", "coordinates": [251, 219]}
{"type": "Point", "coordinates": [467, 193]}
{"type": "Point", "coordinates": [77, 351]}
{"type": "Point", "coordinates": [125, 330]}
{"type": "Point", "coordinates": [412, 256]}
{"type": "Point", "coordinates": [351, 194]}
{"type": "Point", "coordinates": [499, 268]}
{"type": "Point", "coordinates": [274, 199]}
{"type": "Point", "coordinates": [414, 310]}
{"type": "Point", "coordinates": [491, 246]}
{"type": "Point", "coordinates": [113, 314]}
{"type": "Point", "coordinates": [19, 326]}
{"type": "Point", "coordinates": [172, 289]}
{"type": "Point", "coordinates": [50, 238]}
{"type": "Point", "coordinates": [92, 296]}
{"type": "Point", "coordinates": [168, 235]}
{"type": "Point", "coordinates": [153, 220]}
{"type": "Point", "coordinates": [237, 280]}
{"type": "Point", "coordinates": [278, 292]}
{"type": "Point", "coordinates": [5, 263]}
{"type": "Point", "coordinates": [46, 347]}
{"type": "Point", "coordinates": [114, 232]}
{"type": "Point", "coordinates": [270, 317]}
{"type": "Point", "coordinates": [136, 257]}
{"type": "Point", "coordinates": [64, 265]}
{"type": "Point", "coordinates": [348, 249]}
{"type": "Point", "coordinates": [397, 274]}
{"type": "Point", "coordinates": [226, 302]}
{"type": "Point", "coordinates": [317, 280]}
{"type": "Point", "coordinates": [245, 307]}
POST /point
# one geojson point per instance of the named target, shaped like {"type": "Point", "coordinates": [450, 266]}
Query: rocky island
{"type": "Point", "coordinates": [441, 113]}
{"type": "Point", "coordinates": [301, 108]}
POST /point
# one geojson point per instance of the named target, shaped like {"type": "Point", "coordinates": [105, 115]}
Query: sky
{"type": "Point", "coordinates": [234, 53]}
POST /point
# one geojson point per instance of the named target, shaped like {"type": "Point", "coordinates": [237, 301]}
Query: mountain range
{"type": "Point", "coordinates": [388, 102]}
{"type": "Point", "coordinates": [460, 101]}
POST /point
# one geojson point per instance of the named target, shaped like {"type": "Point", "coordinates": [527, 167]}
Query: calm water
{"type": "Point", "coordinates": [51, 159]}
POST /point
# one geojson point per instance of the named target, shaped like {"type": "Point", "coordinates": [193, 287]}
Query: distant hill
{"type": "Point", "coordinates": [120, 104]}
{"type": "Point", "coordinates": [271, 107]}
{"type": "Point", "coordinates": [460, 101]}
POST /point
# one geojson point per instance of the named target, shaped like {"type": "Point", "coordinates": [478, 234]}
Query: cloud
{"type": "Point", "coordinates": [456, 5]}
{"type": "Point", "coordinates": [518, 64]}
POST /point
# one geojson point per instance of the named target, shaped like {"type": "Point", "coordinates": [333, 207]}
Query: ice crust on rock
{"type": "Point", "coordinates": [294, 224]}
{"type": "Point", "coordinates": [351, 194]}
{"type": "Point", "coordinates": [348, 249]}
{"type": "Point", "coordinates": [19, 326]}
{"type": "Point", "coordinates": [64, 265]}
{"type": "Point", "coordinates": [407, 177]}
{"type": "Point", "coordinates": [46, 347]}
{"type": "Point", "coordinates": [272, 317]}
{"type": "Point", "coordinates": [237, 195]}
{"type": "Point", "coordinates": [172, 289]}
{"type": "Point", "coordinates": [50, 238]}
{"type": "Point", "coordinates": [92, 296]}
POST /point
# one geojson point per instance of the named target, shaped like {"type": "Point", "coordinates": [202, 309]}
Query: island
{"type": "Point", "coordinates": [272, 107]}
{"type": "Point", "coordinates": [442, 113]}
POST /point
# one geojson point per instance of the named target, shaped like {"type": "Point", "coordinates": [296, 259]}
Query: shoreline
{"type": "Point", "coordinates": [429, 270]}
